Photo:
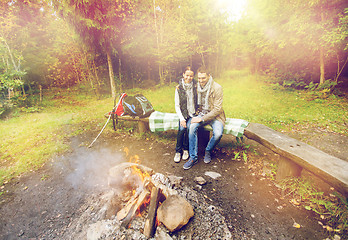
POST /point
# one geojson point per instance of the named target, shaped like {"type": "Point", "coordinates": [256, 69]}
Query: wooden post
{"type": "Point", "coordinates": [287, 168]}
{"type": "Point", "coordinates": [143, 126]}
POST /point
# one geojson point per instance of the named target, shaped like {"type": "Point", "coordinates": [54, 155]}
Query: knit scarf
{"type": "Point", "coordinates": [203, 94]}
{"type": "Point", "coordinates": [188, 87]}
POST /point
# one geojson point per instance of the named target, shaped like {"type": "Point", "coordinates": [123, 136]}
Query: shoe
{"type": "Point", "coordinates": [186, 155]}
{"type": "Point", "coordinates": [177, 157]}
{"type": "Point", "coordinates": [207, 157]}
{"type": "Point", "coordinates": [190, 163]}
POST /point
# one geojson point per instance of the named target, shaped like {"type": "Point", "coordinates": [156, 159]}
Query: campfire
{"type": "Point", "coordinates": [149, 195]}
{"type": "Point", "coordinates": [143, 204]}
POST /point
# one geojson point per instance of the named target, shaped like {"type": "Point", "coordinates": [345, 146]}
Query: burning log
{"type": "Point", "coordinates": [133, 208]}
{"type": "Point", "coordinates": [166, 192]}
{"type": "Point", "coordinates": [150, 223]}
{"type": "Point", "coordinates": [126, 209]}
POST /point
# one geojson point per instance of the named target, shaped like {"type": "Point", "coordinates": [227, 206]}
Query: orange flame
{"type": "Point", "coordinates": [126, 150]}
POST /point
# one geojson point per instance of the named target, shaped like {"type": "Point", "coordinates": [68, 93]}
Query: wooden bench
{"type": "Point", "coordinates": [143, 123]}
{"type": "Point", "coordinates": [296, 155]}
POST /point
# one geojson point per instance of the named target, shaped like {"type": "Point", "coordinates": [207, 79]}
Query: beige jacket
{"type": "Point", "coordinates": [215, 104]}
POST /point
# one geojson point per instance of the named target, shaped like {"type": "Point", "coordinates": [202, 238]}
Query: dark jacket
{"type": "Point", "coordinates": [183, 98]}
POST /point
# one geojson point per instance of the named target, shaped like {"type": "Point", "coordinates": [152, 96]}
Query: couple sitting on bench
{"type": "Point", "coordinates": [197, 104]}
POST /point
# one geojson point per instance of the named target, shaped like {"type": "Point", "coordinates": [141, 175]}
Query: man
{"type": "Point", "coordinates": [210, 111]}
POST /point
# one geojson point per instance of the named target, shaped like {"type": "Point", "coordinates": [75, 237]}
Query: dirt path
{"type": "Point", "coordinates": [42, 205]}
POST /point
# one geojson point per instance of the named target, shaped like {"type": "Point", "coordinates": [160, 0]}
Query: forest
{"type": "Point", "coordinates": [112, 45]}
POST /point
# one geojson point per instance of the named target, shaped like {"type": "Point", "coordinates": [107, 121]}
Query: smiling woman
{"type": "Point", "coordinates": [234, 8]}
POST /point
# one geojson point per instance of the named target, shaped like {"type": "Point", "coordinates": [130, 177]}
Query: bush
{"type": "Point", "coordinates": [5, 108]}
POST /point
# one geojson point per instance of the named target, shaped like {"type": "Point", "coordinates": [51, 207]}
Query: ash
{"type": "Point", "coordinates": [96, 222]}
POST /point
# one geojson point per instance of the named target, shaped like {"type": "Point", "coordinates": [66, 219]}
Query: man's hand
{"type": "Point", "coordinates": [183, 123]}
{"type": "Point", "coordinates": [196, 120]}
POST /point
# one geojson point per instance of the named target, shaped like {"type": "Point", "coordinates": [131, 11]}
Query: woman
{"type": "Point", "coordinates": [185, 107]}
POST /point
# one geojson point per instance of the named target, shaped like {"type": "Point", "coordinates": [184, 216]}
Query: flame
{"type": "Point", "coordinates": [157, 223]}
{"type": "Point", "coordinates": [142, 174]}
{"type": "Point", "coordinates": [126, 150]}
{"type": "Point", "coordinates": [134, 159]}
{"type": "Point", "coordinates": [143, 206]}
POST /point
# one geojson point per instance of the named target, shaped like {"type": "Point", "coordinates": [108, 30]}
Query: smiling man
{"type": "Point", "coordinates": [210, 111]}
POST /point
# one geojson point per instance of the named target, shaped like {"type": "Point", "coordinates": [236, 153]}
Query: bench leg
{"type": "Point", "coordinates": [287, 168]}
{"type": "Point", "coordinates": [143, 127]}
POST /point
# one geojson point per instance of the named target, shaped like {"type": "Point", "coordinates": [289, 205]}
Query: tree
{"type": "Point", "coordinates": [100, 24]}
{"type": "Point", "coordinates": [11, 74]}
{"type": "Point", "coordinates": [297, 35]}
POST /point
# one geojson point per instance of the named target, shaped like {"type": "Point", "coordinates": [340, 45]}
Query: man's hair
{"type": "Point", "coordinates": [203, 69]}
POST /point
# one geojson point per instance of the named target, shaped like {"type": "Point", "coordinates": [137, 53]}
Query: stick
{"type": "Point", "coordinates": [150, 223]}
{"type": "Point", "coordinates": [112, 113]}
{"type": "Point", "coordinates": [100, 131]}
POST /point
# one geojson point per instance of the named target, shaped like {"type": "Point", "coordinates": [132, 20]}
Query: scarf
{"type": "Point", "coordinates": [188, 87]}
{"type": "Point", "coordinates": [203, 94]}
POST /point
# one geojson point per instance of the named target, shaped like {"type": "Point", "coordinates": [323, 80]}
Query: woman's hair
{"type": "Point", "coordinates": [203, 69]}
{"type": "Point", "coordinates": [188, 68]}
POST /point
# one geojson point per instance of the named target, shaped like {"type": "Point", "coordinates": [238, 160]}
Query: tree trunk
{"type": "Point", "coordinates": [120, 72]}
{"type": "Point", "coordinates": [322, 66]}
{"type": "Point", "coordinates": [322, 63]}
{"type": "Point", "coordinates": [339, 71]}
{"type": "Point", "coordinates": [157, 41]}
{"type": "Point", "coordinates": [148, 70]}
{"type": "Point", "coordinates": [111, 75]}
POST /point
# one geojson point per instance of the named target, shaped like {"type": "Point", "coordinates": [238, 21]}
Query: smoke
{"type": "Point", "coordinates": [89, 167]}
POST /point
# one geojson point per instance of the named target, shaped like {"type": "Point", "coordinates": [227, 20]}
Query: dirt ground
{"type": "Point", "coordinates": [43, 204]}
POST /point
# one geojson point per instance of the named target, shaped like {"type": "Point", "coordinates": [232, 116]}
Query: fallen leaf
{"type": "Point", "coordinates": [296, 225]}
{"type": "Point", "coordinates": [330, 229]}
{"type": "Point", "coordinates": [293, 201]}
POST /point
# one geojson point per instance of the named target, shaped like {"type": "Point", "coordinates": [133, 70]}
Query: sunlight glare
{"type": "Point", "coordinates": [235, 8]}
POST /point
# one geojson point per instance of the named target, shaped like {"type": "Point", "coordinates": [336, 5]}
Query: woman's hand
{"type": "Point", "coordinates": [183, 123]}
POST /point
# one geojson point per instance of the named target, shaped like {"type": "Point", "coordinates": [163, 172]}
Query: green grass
{"type": "Point", "coordinates": [28, 140]}
{"type": "Point", "coordinates": [332, 208]}
{"type": "Point", "coordinates": [249, 97]}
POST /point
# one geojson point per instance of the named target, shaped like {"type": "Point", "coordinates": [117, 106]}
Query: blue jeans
{"type": "Point", "coordinates": [182, 141]}
{"type": "Point", "coordinates": [218, 129]}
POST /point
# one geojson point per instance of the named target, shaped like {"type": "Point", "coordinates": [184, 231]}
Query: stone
{"type": "Point", "coordinates": [99, 229]}
{"type": "Point", "coordinates": [174, 212]}
{"type": "Point", "coordinates": [122, 178]}
{"type": "Point", "coordinates": [162, 235]}
{"type": "Point", "coordinates": [175, 181]}
{"type": "Point", "coordinates": [200, 180]}
{"type": "Point", "coordinates": [213, 175]}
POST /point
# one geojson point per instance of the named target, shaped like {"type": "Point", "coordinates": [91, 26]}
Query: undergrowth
{"type": "Point", "coordinates": [332, 207]}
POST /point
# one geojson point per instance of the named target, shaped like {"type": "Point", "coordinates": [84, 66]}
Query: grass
{"type": "Point", "coordinates": [249, 97]}
{"type": "Point", "coordinates": [29, 139]}
{"type": "Point", "coordinates": [332, 208]}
